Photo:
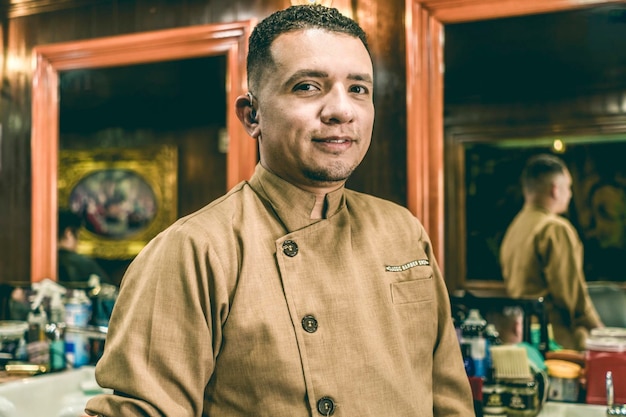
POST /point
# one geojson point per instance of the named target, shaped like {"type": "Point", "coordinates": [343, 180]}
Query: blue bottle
{"type": "Point", "coordinates": [472, 330]}
{"type": "Point", "coordinates": [77, 314]}
{"type": "Point", "coordinates": [468, 362]}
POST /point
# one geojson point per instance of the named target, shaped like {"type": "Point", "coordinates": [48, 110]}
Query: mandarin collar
{"type": "Point", "coordinates": [536, 208]}
{"type": "Point", "coordinates": [292, 204]}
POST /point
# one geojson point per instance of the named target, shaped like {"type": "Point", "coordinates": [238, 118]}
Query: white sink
{"type": "Point", "coordinates": [65, 394]}
{"type": "Point", "coordinates": [557, 409]}
{"type": "Point", "coordinates": [62, 394]}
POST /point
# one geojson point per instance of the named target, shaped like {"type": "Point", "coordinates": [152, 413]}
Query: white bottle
{"type": "Point", "coordinates": [57, 309]}
{"type": "Point", "coordinates": [77, 314]}
{"type": "Point", "coordinates": [77, 309]}
{"type": "Point", "coordinates": [56, 333]}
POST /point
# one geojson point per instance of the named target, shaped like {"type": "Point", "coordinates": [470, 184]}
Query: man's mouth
{"type": "Point", "coordinates": [333, 140]}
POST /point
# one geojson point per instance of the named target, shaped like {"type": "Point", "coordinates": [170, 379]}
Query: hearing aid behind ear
{"type": "Point", "coordinates": [253, 112]}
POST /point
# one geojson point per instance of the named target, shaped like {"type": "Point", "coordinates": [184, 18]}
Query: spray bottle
{"type": "Point", "coordinates": [39, 347]}
{"type": "Point", "coordinates": [50, 289]}
{"type": "Point", "coordinates": [56, 330]}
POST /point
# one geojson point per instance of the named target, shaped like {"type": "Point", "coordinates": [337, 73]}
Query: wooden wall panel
{"type": "Point", "coordinates": [14, 158]}
{"type": "Point", "coordinates": [383, 171]}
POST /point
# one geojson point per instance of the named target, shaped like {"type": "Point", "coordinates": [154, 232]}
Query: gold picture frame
{"type": "Point", "coordinates": [125, 196]}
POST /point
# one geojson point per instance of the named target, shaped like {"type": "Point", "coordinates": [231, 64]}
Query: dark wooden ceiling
{"type": "Point", "coordinates": [547, 56]}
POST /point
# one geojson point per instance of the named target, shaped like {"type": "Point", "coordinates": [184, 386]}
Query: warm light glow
{"type": "Point", "coordinates": [326, 3]}
{"type": "Point", "coordinates": [17, 64]}
{"type": "Point", "coordinates": [558, 146]}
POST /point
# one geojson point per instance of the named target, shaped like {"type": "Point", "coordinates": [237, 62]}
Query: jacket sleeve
{"type": "Point", "coordinates": [563, 270]}
{"type": "Point", "coordinates": [452, 394]}
{"type": "Point", "coordinates": [159, 352]}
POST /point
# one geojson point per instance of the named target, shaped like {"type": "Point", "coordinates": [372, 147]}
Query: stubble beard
{"type": "Point", "coordinates": [337, 172]}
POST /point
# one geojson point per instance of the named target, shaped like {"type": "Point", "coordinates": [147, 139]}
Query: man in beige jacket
{"type": "Point", "coordinates": [542, 256]}
{"type": "Point", "coordinates": [290, 296]}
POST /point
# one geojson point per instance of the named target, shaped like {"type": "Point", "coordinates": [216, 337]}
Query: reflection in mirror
{"type": "Point", "coordinates": [140, 145]}
{"type": "Point", "coordinates": [597, 209]}
{"type": "Point", "coordinates": [228, 39]}
{"type": "Point", "coordinates": [512, 87]}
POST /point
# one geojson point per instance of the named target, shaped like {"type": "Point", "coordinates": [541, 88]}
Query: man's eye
{"type": "Point", "coordinates": [359, 89]}
{"type": "Point", "coordinates": [305, 87]}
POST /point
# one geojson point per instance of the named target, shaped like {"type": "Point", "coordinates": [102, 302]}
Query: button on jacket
{"type": "Point", "coordinates": [542, 256]}
{"type": "Point", "coordinates": [250, 308]}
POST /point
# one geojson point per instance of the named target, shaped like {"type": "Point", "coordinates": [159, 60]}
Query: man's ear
{"type": "Point", "coordinates": [247, 115]}
{"type": "Point", "coordinates": [554, 189]}
{"type": "Point", "coordinates": [69, 235]}
{"type": "Point", "coordinates": [518, 329]}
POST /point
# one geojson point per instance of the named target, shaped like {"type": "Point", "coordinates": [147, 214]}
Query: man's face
{"type": "Point", "coordinates": [608, 210]}
{"type": "Point", "coordinates": [315, 108]}
{"type": "Point", "coordinates": [563, 187]}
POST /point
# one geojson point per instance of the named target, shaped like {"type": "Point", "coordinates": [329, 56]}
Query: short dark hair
{"type": "Point", "coordinates": [68, 219]}
{"type": "Point", "coordinates": [540, 168]}
{"type": "Point", "coordinates": [288, 20]}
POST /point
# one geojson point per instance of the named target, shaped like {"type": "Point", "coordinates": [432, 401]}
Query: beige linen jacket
{"type": "Point", "coordinates": [542, 256]}
{"type": "Point", "coordinates": [250, 308]}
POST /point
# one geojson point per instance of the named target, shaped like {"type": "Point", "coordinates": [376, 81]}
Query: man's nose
{"type": "Point", "coordinates": [338, 107]}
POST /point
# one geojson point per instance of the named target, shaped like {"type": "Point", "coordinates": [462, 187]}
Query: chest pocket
{"type": "Point", "coordinates": [418, 288]}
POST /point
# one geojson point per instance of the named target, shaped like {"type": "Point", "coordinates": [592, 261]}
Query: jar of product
{"type": "Point", "coordinates": [494, 395]}
{"type": "Point", "coordinates": [606, 351]}
{"type": "Point", "coordinates": [563, 380]}
{"type": "Point", "coordinates": [615, 332]}
{"type": "Point", "coordinates": [522, 398]}
{"type": "Point", "coordinates": [12, 338]}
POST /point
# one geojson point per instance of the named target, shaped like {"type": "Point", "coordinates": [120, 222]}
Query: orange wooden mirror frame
{"type": "Point", "coordinates": [228, 39]}
{"type": "Point", "coordinates": [425, 20]}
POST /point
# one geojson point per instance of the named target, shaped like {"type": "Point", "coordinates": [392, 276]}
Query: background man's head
{"type": "Point", "coordinates": [293, 18]}
{"type": "Point", "coordinates": [509, 324]}
{"type": "Point", "coordinates": [547, 183]}
{"type": "Point", "coordinates": [69, 225]}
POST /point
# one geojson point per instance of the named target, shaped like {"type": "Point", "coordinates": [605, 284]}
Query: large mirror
{"type": "Point", "coordinates": [425, 26]}
{"type": "Point", "coordinates": [491, 196]}
{"type": "Point", "coordinates": [511, 93]}
{"type": "Point", "coordinates": [227, 40]}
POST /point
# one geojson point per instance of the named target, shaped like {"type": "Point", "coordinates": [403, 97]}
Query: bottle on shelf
{"type": "Point", "coordinates": [472, 330]}
{"type": "Point", "coordinates": [468, 362]}
{"type": "Point", "coordinates": [77, 314]}
{"type": "Point", "coordinates": [492, 339]}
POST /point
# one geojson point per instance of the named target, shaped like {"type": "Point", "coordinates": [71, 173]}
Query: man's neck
{"type": "Point", "coordinates": [543, 205]}
{"type": "Point", "coordinates": [66, 245]}
{"type": "Point", "coordinates": [319, 209]}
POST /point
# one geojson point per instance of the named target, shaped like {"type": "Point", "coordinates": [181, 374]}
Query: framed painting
{"type": "Point", "coordinates": [124, 196]}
